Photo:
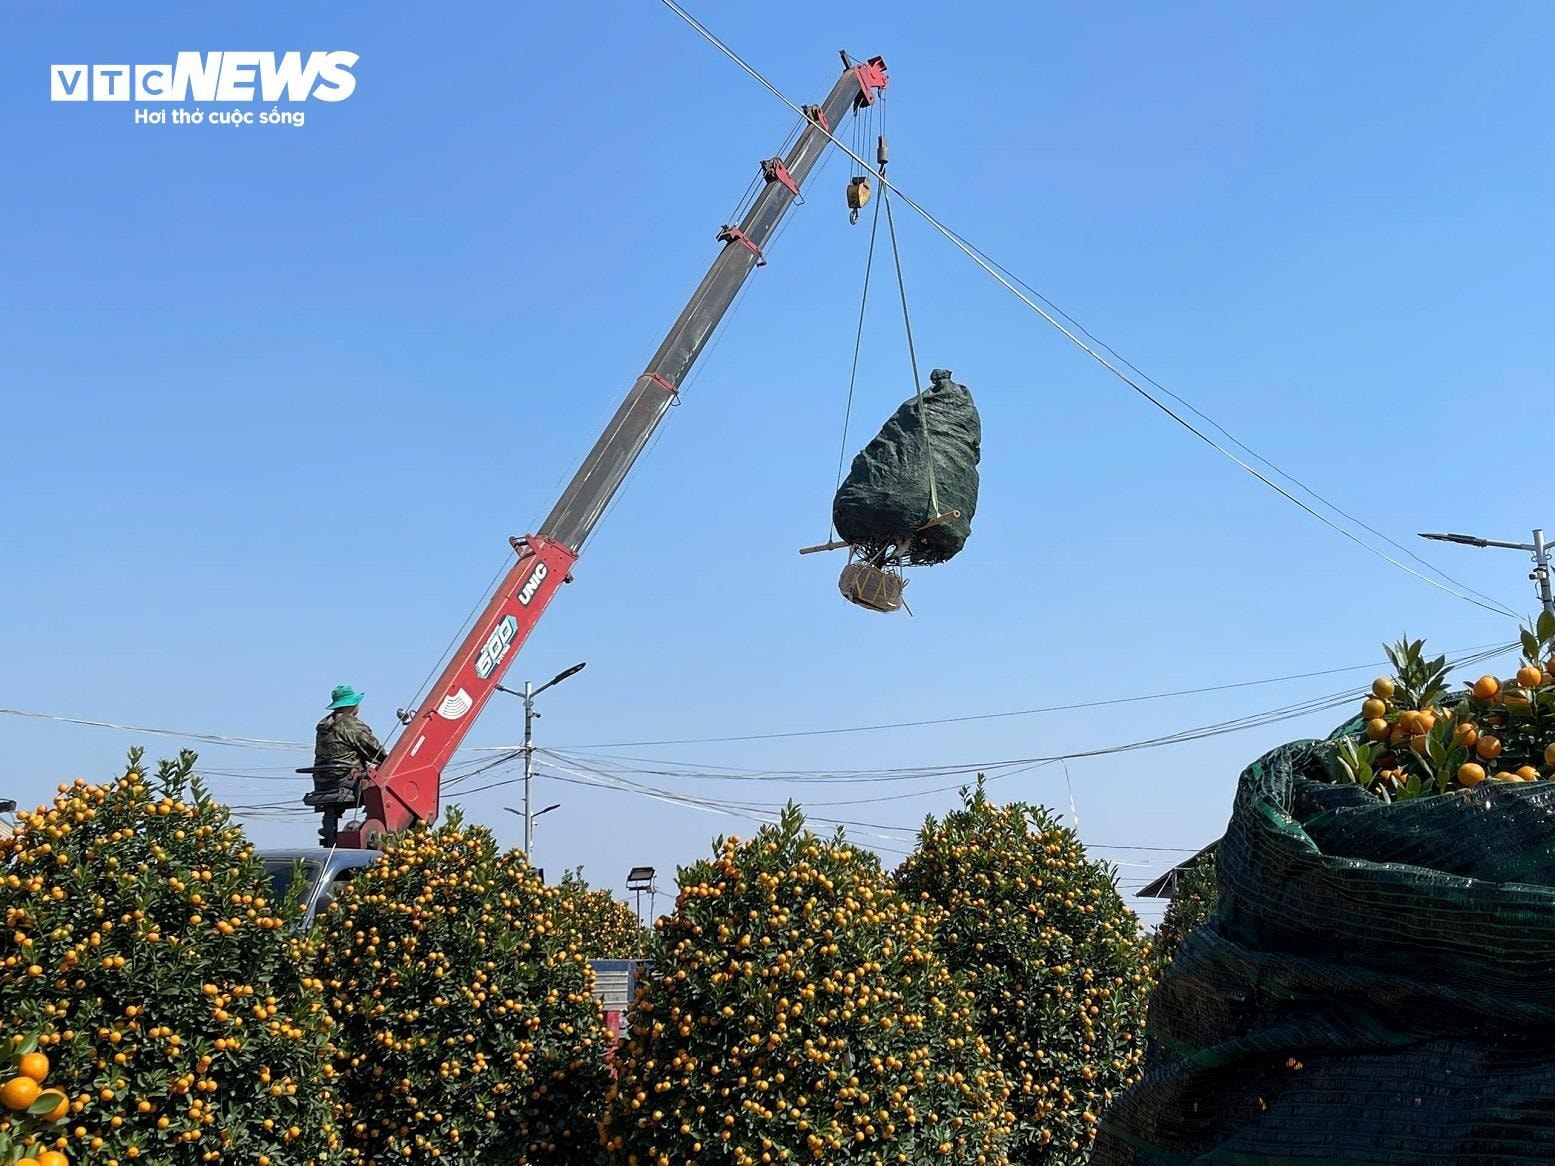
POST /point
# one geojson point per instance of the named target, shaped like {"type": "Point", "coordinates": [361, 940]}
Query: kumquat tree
{"type": "Point", "coordinates": [159, 1001]}
{"type": "Point", "coordinates": [599, 924]}
{"type": "Point", "coordinates": [467, 1029]}
{"type": "Point", "coordinates": [1192, 903]}
{"type": "Point", "coordinates": [1052, 956]}
{"type": "Point", "coordinates": [799, 1012]}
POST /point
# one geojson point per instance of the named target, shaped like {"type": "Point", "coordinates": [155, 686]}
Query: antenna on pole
{"type": "Point", "coordinates": [1538, 549]}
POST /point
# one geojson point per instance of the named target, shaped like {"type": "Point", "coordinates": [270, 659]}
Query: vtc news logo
{"type": "Point", "coordinates": [215, 77]}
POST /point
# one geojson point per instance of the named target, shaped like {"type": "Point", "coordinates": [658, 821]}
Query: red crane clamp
{"type": "Point", "coordinates": [871, 76]}
{"type": "Point", "coordinates": [735, 235]}
{"type": "Point", "coordinates": [774, 171]}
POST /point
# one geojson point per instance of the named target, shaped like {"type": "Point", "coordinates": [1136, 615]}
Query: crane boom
{"type": "Point", "coordinates": [405, 789]}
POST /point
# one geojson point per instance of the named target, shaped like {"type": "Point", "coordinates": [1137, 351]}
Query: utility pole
{"type": "Point", "coordinates": [529, 765]}
{"type": "Point", "coordinates": [1538, 549]}
{"type": "Point", "coordinates": [528, 748]}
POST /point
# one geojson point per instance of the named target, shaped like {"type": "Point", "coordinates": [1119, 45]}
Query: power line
{"type": "Point", "coordinates": [1000, 769]}
{"type": "Point", "coordinates": [245, 742]}
{"type": "Point", "coordinates": [1231, 437]}
{"type": "Point", "coordinates": [992, 269]}
{"type": "Point", "coordinates": [207, 738]}
{"type": "Point", "coordinates": [1057, 708]}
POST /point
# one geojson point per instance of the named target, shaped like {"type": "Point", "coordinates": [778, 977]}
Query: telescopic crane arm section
{"type": "Point", "coordinates": [405, 788]}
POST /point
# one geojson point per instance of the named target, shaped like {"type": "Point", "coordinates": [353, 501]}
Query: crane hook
{"type": "Point", "coordinates": [858, 196]}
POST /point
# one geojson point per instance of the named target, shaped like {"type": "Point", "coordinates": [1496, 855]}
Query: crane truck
{"type": "Point", "coordinates": [405, 788]}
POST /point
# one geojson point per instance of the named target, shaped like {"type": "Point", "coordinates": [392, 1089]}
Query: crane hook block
{"type": "Point", "coordinates": [858, 196]}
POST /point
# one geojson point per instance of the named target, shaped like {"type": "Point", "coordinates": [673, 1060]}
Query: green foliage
{"type": "Point", "coordinates": [798, 1012]}
{"type": "Point", "coordinates": [1052, 955]}
{"type": "Point", "coordinates": [596, 922]}
{"type": "Point", "coordinates": [170, 994]}
{"type": "Point", "coordinates": [1421, 682]}
{"type": "Point", "coordinates": [467, 1028]}
{"type": "Point", "coordinates": [1420, 738]}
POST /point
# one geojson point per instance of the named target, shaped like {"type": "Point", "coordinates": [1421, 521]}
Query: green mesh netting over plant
{"type": "Point", "coordinates": [886, 498]}
{"type": "Point", "coordinates": [1377, 985]}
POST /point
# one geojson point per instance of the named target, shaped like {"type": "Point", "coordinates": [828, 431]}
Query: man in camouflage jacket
{"type": "Point", "coordinates": [343, 746]}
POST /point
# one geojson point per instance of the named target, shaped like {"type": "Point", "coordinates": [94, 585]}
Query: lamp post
{"type": "Point", "coordinates": [1538, 549]}
{"type": "Point", "coordinates": [640, 881]}
{"type": "Point", "coordinates": [528, 695]}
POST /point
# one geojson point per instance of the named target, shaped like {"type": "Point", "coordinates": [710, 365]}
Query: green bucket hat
{"type": "Point", "coordinates": [344, 697]}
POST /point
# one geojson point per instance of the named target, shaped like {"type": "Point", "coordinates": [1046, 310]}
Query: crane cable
{"type": "Point", "coordinates": [973, 254]}
{"type": "Point", "coordinates": [858, 342]}
{"type": "Point", "coordinates": [912, 352]}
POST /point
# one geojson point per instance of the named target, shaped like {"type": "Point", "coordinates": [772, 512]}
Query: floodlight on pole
{"type": "Point", "coordinates": [1538, 549]}
{"type": "Point", "coordinates": [639, 881]}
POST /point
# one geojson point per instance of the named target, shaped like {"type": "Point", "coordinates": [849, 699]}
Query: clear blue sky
{"type": "Point", "coordinates": [274, 398]}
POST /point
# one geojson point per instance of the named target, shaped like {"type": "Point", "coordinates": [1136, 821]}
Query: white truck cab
{"type": "Point", "coordinates": [323, 870]}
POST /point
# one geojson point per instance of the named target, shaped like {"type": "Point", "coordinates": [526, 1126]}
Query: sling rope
{"type": "Point", "coordinates": [858, 341]}
{"type": "Point", "coordinates": [912, 352]}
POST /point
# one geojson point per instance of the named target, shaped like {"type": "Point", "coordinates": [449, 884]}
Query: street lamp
{"type": "Point", "coordinates": [536, 816]}
{"type": "Point", "coordinates": [639, 881]}
{"type": "Point", "coordinates": [1538, 549]}
{"type": "Point", "coordinates": [528, 695]}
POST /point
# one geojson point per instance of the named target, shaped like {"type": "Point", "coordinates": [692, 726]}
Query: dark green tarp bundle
{"type": "Point", "coordinates": [885, 497]}
{"type": "Point", "coordinates": [1377, 985]}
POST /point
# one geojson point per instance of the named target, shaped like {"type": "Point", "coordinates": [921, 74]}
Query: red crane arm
{"type": "Point", "coordinates": [405, 788]}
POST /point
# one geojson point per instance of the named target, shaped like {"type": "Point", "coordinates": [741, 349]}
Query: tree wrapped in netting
{"type": "Point", "coordinates": [596, 922]}
{"type": "Point", "coordinates": [1053, 958]}
{"type": "Point", "coordinates": [1374, 984]}
{"type": "Point", "coordinates": [466, 1024]}
{"type": "Point", "coordinates": [797, 1011]}
{"type": "Point", "coordinates": [168, 992]}
{"type": "Point", "coordinates": [920, 467]}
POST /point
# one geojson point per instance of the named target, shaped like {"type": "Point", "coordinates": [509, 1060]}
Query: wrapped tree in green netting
{"type": "Point", "coordinates": [165, 988]}
{"type": "Point", "coordinates": [467, 1028]}
{"type": "Point", "coordinates": [1374, 983]}
{"type": "Point", "coordinates": [1192, 903]}
{"type": "Point", "coordinates": [1052, 956]}
{"type": "Point", "coordinates": [797, 1011]}
{"type": "Point", "coordinates": [930, 441]}
{"type": "Point", "coordinates": [596, 922]}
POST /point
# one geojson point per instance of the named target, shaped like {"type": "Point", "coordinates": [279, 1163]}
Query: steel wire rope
{"type": "Point", "coordinates": [1231, 437]}
{"type": "Point", "coordinates": [858, 342]}
{"type": "Point", "coordinates": [972, 253]}
{"type": "Point", "coordinates": [912, 351]}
